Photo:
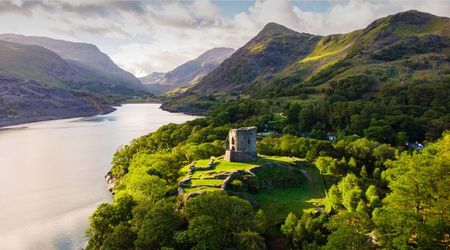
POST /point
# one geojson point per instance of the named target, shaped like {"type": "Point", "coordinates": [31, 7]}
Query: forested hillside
{"type": "Point", "coordinates": [371, 202]}
{"type": "Point", "coordinates": [391, 77]}
{"type": "Point", "coordinates": [341, 112]}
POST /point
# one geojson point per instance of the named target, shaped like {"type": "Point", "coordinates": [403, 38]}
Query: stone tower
{"type": "Point", "coordinates": [241, 145]}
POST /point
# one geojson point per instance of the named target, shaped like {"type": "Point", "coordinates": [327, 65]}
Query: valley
{"type": "Point", "coordinates": [305, 141]}
{"type": "Point", "coordinates": [336, 118]}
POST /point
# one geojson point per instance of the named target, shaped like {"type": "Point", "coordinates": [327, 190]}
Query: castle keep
{"type": "Point", "coordinates": [241, 145]}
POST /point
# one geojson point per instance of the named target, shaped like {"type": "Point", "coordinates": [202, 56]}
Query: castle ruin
{"type": "Point", "coordinates": [241, 145]}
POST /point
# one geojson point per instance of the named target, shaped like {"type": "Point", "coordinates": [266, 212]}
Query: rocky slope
{"type": "Point", "coordinates": [406, 47]}
{"type": "Point", "coordinates": [38, 84]}
{"type": "Point", "coordinates": [23, 101]}
{"type": "Point", "coordinates": [188, 73]}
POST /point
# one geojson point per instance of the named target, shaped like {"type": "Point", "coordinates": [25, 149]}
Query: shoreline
{"type": "Point", "coordinates": [163, 107]}
{"type": "Point", "coordinates": [24, 121]}
{"type": "Point", "coordinates": [8, 125]}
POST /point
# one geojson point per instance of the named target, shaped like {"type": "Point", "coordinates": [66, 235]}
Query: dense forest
{"type": "Point", "coordinates": [380, 193]}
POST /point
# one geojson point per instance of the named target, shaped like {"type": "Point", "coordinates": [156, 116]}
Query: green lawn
{"type": "Point", "coordinates": [280, 159]}
{"type": "Point", "coordinates": [200, 188]}
{"type": "Point", "coordinates": [276, 203]}
{"type": "Point", "coordinates": [279, 202]}
{"type": "Point", "coordinates": [207, 182]}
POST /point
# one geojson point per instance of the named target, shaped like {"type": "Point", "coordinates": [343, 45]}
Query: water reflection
{"type": "Point", "coordinates": [51, 173]}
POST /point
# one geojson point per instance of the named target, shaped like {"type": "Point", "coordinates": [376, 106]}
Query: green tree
{"type": "Point", "coordinates": [292, 113]}
{"type": "Point", "coordinates": [346, 237]}
{"type": "Point", "coordinates": [122, 238]}
{"type": "Point", "coordinates": [159, 227]}
{"type": "Point", "coordinates": [349, 231]}
{"type": "Point", "coordinates": [351, 198]}
{"type": "Point", "coordinates": [372, 196]}
{"type": "Point", "coordinates": [307, 118]}
{"type": "Point", "coordinates": [251, 241]}
{"type": "Point", "coordinates": [231, 215]}
{"type": "Point", "coordinates": [416, 211]}
{"type": "Point", "coordinates": [260, 221]}
{"type": "Point", "coordinates": [106, 217]}
{"type": "Point", "coordinates": [326, 163]}
{"type": "Point", "coordinates": [380, 133]}
{"type": "Point", "coordinates": [334, 197]}
{"type": "Point", "coordinates": [382, 153]}
{"type": "Point", "coordinates": [363, 173]}
{"type": "Point", "coordinates": [101, 225]}
{"type": "Point", "coordinates": [203, 233]}
{"type": "Point", "coordinates": [289, 225]}
{"type": "Point", "coordinates": [309, 231]}
{"type": "Point", "coordinates": [353, 164]}
{"type": "Point", "coordinates": [349, 182]}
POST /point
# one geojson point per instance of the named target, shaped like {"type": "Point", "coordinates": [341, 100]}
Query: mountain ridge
{"type": "Point", "coordinates": [38, 84]}
{"type": "Point", "coordinates": [270, 65]}
{"type": "Point", "coordinates": [85, 55]}
{"type": "Point", "coordinates": [188, 73]}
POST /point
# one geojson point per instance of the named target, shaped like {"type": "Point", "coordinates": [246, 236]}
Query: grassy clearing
{"type": "Point", "coordinates": [279, 159]}
{"type": "Point", "coordinates": [233, 166]}
{"type": "Point", "coordinates": [225, 167]}
{"type": "Point", "coordinates": [279, 202]}
{"type": "Point", "coordinates": [206, 182]}
{"type": "Point", "coordinates": [202, 179]}
{"type": "Point", "coordinates": [200, 188]}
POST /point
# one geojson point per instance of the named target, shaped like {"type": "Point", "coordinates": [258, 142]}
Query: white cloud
{"type": "Point", "coordinates": [152, 36]}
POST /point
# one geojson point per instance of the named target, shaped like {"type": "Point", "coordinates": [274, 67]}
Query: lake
{"type": "Point", "coordinates": [52, 173]}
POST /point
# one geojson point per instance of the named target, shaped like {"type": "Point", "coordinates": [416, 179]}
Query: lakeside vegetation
{"type": "Point", "coordinates": [364, 205]}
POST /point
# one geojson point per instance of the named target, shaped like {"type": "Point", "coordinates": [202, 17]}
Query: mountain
{"type": "Point", "coordinates": [152, 78]}
{"type": "Point", "coordinates": [278, 62]}
{"type": "Point", "coordinates": [37, 84]}
{"type": "Point", "coordinates": [271, 50]}
{"type": "Point", "coordinates": [23, 101]}
{"type": "Point", "coordinates": [188, 73]}
{"type": "Point", "coordinates": [82, 55]}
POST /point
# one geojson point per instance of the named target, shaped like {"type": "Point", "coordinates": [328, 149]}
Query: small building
{"type": "Point", "coordinates": [241, 145]}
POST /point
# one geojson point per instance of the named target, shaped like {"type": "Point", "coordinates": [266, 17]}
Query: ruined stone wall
{"type": "Point", "coordinates": [241, 145]}
{"type": "Point", "coordinates": [242, 139]}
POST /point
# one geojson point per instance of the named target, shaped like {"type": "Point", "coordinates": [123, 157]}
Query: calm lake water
{"type": "Point", "coordinates": [52, 173]}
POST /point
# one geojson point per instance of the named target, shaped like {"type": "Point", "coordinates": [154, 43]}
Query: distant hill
{"type": "Point", "coordinates": [278, 62]}
{"type": "Point", "coordinates": [38, 84]}
{"type": "Point", "coordinates": [23, 101]}
{"type": "Point", "coordinates": [83, 55]}
{"type": "Point", "coordinates": [188, 73]}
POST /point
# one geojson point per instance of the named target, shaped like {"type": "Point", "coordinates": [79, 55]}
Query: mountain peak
{"type": "Point", "coordinates": [274, 28]}
{"type": "Point", "coordinates": [411, 21]}
{"type": "Point", "coordinates": [412, 17]}
{"type": "Point", "coordinates": [215, 54]}
{"type": "Point", "coordinates": [188, 73]}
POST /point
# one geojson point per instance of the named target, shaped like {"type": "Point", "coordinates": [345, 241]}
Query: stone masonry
{"type": "Point", "coordinates": [241, 145]}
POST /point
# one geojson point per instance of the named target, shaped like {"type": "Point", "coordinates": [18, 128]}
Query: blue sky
{"type": "Point", "coordinates": [148, 36]}
{"type": "Point", "coordinates": [231, 7]}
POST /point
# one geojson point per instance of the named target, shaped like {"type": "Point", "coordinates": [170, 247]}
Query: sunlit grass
{"type": "Point", "coordinates": [200, 188]}
{"type": "Point", "coordinates": [206, 182]}
{"type": "Point", "coordinates": [277, 203]}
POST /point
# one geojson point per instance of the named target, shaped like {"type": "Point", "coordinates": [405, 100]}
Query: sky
{"type": "Point", "coordinates": [156, 36]}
